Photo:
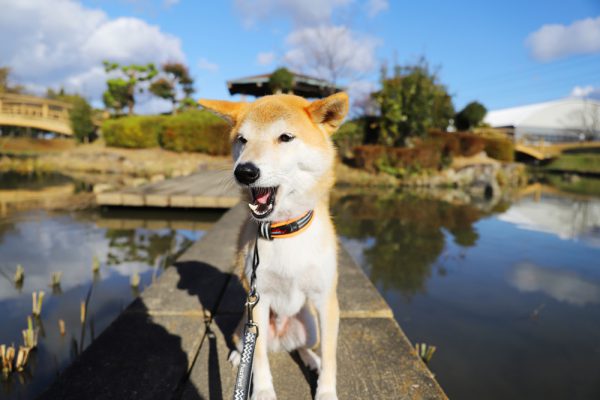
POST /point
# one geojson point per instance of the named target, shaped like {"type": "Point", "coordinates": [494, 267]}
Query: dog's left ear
{"type": "Point", "coordinates": [330, 111]}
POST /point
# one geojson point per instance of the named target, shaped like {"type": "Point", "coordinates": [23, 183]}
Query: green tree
{"type": "Point", "coordinates": [80, 115]}
{"type": "Point", "coordinates": [175, 75]}
{"type": "Point", "coordinates": [281, 81]}
{"type": "Point", "coordinates": [411, 102]}
{"type": "Point", "coordinates": [5, 86]}
{"type": "Point", "coordinates": [470, 117]}
{"type": "Point", "coordinates": [121, 90]}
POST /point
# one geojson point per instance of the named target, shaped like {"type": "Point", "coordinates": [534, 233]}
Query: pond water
{"type": "Point", "coordinates": [125, 243]}
{"type": "Point", "coordinates": [509, 293]}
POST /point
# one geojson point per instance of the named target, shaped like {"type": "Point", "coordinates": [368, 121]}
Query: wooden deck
{"type": "Point", "coordinates": [205, 189]}
{"type": "Point", "coordinates": [173, 341]}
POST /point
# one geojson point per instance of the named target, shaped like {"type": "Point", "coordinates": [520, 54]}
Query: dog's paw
{"type": "Point", "coordinates": [234, 358]}
{"type": "Point", "coordinates": [326, 396]}
{"type": "Point", "coordinates": [264, 394]}
{"type": "Point", "coordinates": [310, 360]}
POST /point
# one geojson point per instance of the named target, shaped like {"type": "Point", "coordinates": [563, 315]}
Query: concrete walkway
{"type": "Point", "coordinates": [172, 342]}
{"type": "Point", "coordinates": [204, 189]}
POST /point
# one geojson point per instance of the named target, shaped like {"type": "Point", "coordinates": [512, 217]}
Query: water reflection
{"type": "Point", "coordinates": [509, 293]}
{"type": "Point", "coordinates": [559, 215]}
{"type": "Point", "coordinates": [404, 234]}
{"type": "Point", "coordinates": [43, 242]}
{"type": "Point", "coordinates": [561, 285]}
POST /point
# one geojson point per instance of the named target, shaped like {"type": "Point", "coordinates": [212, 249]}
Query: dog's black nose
{"type": "Point", "coordinates": [247, 173]}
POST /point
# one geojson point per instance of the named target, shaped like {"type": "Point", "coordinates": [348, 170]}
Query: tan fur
{"type": "Point", "coordinates": [305, 263]}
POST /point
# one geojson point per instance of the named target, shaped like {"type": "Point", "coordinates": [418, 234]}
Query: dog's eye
{"type": "Point", "coordinates": [241, 139]}
{"type": "Point", "coordinates": [286, 137]}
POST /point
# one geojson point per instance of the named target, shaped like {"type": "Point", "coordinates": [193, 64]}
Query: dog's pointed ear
{"type": "Point", "coordinates": [228, 110]}
{"type": "Point", "coordinates": [330, 111]}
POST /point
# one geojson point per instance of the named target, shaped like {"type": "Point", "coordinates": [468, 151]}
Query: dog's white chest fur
{"type": "Point", "coordinates": [295, 269]}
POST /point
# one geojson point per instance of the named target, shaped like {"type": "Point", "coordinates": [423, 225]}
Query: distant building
{"type": "Point", "coordinates": [303, 85]}
{"type": "Point", "coordinates": [565, 120]}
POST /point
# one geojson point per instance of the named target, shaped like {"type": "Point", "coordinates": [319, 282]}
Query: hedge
{"type": "Point", "coordinates": [348, 136]}
{"type": "Point", "coordinates": [467, 144]}
{"type": "Point", "coordinates": [434, 152]}
{"type": "Point", "coordinates": [500, 149]}
{"type": "Point", "coordinates": [132, 132]}
{"type": "Point", "coordinates": [375, 158]}
{"type": "Point", "coordinates": [195, 131]}
{"type": "Point", "coordinates": [189, 131]}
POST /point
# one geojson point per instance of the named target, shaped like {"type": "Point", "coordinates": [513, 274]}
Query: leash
{"type": "Point", "coordinates": [244, 374]}
{"type": "Point", "coordinates": [268, 231]}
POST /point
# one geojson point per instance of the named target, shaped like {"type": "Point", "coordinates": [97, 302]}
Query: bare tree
{"type": "Point", "coordinates": [331, 53]}
{"type": "Point", "coordinates": [590, 120]}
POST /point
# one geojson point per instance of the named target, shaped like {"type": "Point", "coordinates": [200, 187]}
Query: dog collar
{"type": "Point", "coordinates": [285, 229]}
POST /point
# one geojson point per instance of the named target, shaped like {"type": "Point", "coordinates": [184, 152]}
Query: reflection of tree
{"type": "Point", "coordinates": [6, 226]}
{"type": "Point", "coordinates": [138, 245]}
{"type": "Point", "coordinates": [408, 233]}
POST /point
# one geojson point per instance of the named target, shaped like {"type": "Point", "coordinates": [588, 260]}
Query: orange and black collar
{"type": "Point", "coordinates": [285, 229]}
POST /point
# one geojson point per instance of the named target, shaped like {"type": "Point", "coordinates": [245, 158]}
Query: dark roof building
{"type": "Point", "coordinates": [303, 85]}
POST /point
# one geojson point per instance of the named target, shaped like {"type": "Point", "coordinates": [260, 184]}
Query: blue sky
{"type": "Point", "coordinates": [500, 53]}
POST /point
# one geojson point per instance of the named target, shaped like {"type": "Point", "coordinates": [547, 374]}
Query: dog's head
{"type": "Point", "coordinates": [282, 150]}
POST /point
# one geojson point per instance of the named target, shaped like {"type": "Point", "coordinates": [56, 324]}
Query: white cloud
{"type": "Point", "coordinates": [561, 285]}
{"type": "Point", "coordinates": [265, 58]}
{"type": "Point", "coordinates": [170, 3]}
{"type": "Point", "coordinates": [302, 12]}
{"type": "Point", "coordinates": [206, 65]}
{"type": "Point", "coordinates": [375, 7]}
{"type": "Point", "coordinates": [556, 41]}
{"type": "Point", "coordinates": [331, 52]}
{"type": "Point", "coordinates": [586, 91]}
{"type": "Point", "coordinates": [63, 43]}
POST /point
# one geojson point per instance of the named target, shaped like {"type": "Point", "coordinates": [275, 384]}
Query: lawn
{"type": "Point", "coordinates": [576, 162]}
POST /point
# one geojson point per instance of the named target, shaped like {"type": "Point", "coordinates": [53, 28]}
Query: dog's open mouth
{"type": "Point", "coordinates": [263, 201]}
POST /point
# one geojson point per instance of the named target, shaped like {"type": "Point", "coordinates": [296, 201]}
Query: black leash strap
{"type": "Point", "coordinates": [244, 374]}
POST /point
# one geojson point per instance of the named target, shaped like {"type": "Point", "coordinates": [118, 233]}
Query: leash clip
{"type": "Point", "coordinates": [251, 302]}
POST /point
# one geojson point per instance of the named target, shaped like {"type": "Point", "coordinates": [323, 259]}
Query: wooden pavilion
{"type": "Point", "coordinates": [303, 85]}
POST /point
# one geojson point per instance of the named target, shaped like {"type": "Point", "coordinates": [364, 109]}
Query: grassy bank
{"type": "Point", "coordinates": [585, 163]}
{"type": "Point", "coordinates": [97, 158]}
{"type": "Point", "coordinates": [576, 185]}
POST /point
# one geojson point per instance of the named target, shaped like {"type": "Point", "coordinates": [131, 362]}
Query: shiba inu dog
{"type": "Point", "coordinates": [283, 160]}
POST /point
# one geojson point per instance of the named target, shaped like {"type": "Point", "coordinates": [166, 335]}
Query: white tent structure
{"type": "Point", "coordinates": [565, 120]}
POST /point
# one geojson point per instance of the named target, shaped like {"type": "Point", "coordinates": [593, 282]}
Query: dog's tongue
{"type": "Point", "coordinates": [263, 197]}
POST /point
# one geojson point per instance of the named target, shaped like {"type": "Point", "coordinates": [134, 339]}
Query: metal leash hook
{"type": "Point", "coordinates": [244, 374]}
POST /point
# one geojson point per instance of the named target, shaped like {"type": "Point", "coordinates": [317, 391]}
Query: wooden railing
{"type": "Point", "coordinates": [35, 112]}
{"type": "Point", "coordinates": [544, 150]}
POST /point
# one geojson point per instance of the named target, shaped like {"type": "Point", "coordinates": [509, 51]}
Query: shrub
{"type": "Point", "coordinates": [464, 144]}
{"type": "Point", "coordinates": [194, 130]}
{"type": "Point", "coordinates": [500, 149]}
{"type": "Point", "coordinates": [132, 132]}
{"type": "Point", "coordinates": [376, 158]}
{"type": "Point", "coordinates": [470, 144]}
{"type": "Point", "coordinates": [367, 157]}
{"type": "Point", "coordinates": [348, 136]}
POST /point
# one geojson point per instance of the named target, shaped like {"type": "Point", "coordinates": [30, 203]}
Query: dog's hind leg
{"type": "Point", "coordinates": [310, 324]}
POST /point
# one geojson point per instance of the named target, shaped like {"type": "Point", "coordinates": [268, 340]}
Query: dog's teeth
{"type": "Point", "coordinates": [253, 207]}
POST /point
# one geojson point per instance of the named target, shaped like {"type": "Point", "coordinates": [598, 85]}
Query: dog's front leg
{"type": "Point", "coordinates": [329, 317]}
{"type": "Point", "coordinates": [263, 381]}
